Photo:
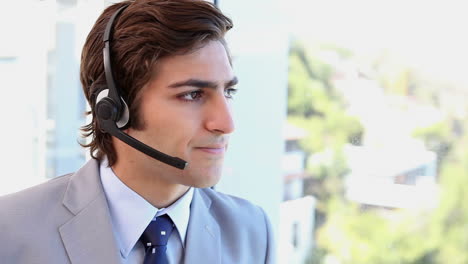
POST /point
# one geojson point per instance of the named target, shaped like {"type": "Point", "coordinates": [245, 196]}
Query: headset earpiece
{"type": "Point", "coordinates": [107, 109]}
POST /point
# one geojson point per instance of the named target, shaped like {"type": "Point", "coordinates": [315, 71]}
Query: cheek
{"type": "Point", "coordinates": [174, 134]}
{"type": "Point", "coordinates": [172, 126]}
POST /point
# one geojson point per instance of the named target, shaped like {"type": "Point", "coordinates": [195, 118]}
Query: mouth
{"type": "Point", "coordinates": [216, 150]}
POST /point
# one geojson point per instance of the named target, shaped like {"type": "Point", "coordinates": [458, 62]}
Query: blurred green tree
{"type": "Point", "coordinates": [315, 106]}
{"type": "Point", "coordinates": [352, 234]}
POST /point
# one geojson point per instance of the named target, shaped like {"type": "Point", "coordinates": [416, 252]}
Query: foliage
{"type": "Point", "coordinates": [352, 234]}
{"type": "Point", "coordinates": [374, 236]}
{"type": "Point", "coordinates": [314, 105]}
{"type": "Point", "coordinates": [438, 138]}
{"type": "Point", "coordinates": [450, 219]}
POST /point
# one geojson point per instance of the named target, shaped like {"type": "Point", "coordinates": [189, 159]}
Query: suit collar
{"type": "Point", "coordinates": [203, 235]}
{"type": "Point", "coordinates": [84, 186]}
{"type": "Point", "coordinates": [88, 236]}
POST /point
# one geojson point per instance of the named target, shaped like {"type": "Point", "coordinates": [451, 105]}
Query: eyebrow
{"type": "Point", "coordinates": [203, 83]}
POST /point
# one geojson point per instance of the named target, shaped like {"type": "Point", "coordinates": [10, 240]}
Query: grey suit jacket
{"type": "Point", "coordinates": [67, 220]}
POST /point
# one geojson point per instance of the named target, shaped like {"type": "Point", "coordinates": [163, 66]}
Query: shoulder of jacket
{"type": "Point", "coordinates": [30, 198]}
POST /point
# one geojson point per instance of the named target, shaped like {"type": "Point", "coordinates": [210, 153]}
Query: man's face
{"type": "Point", "coordinates": [185, 111]}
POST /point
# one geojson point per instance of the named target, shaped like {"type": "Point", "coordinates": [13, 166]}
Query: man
{"type": "Point", "coordinates": [158, 77]}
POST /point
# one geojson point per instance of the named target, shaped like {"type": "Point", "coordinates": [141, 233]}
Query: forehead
{"type": "Point", "coordinates": [210, 62]}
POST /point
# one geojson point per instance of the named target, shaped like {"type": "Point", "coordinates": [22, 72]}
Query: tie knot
{"type": "Point", "coordinates": [158, 232]}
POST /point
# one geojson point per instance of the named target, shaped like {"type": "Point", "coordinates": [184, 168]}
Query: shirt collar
{"type": "Point", "coordinates": [131, 213]}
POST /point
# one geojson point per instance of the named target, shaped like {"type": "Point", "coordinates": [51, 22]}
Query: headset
{"type": "Point", "coordinates": [113, 113]}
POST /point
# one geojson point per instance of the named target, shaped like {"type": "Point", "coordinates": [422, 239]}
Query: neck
{"type": "Point", "coordinates": [148, 183]}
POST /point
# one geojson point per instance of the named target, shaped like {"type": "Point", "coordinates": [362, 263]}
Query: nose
{"type": "Point", "coordinates": [219, 117]}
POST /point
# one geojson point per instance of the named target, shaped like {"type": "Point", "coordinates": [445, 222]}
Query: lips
{"type": "Point", "coordinates": [213, 149]}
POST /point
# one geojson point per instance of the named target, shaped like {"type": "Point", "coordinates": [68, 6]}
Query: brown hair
{"type": "Point", "coordinates": [146, 31]}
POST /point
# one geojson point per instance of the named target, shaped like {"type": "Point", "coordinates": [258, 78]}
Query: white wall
{"type": "Point", "coordinates": [23, 65]}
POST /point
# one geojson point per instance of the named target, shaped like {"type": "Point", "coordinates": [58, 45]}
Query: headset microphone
{"type": "Point", "coordinates": [112, 111]}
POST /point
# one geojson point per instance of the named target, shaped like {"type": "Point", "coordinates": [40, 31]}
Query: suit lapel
{"type": "Point", "coordinates": [88, 236]}
{"type": "Point", "coordinates": [203, 240]}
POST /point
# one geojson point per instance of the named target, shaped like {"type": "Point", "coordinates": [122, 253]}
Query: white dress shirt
{"type": "Point", "coordinates": [131, 214]}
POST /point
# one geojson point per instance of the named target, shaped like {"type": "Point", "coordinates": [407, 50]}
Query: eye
{"type": "Point", "coordinates": [191, 96]}
{"type": "Point", "coordinates": [230, 92]}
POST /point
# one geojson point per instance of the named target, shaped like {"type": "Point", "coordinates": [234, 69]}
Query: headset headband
{"type": "Point", "coordinates": [113, 89]}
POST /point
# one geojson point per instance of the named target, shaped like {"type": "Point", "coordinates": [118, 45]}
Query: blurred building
{"type": "Point", "coordinates": [39, 70]}
{"type": "Point", "coordinates": [392, 178]}
{"type": "Point", "coordinates": [296, 230]}
{"type": "Point", "coordinates": [297, 211]}
{"type": "Point", "coordinates": [25, 78]}
{"type": "Point", "coordinates": [293, 163]}
{"type": "Point", "coordinates": [392, 168]}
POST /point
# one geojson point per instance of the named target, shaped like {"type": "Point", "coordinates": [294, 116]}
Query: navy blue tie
{"type": "Point", "coordinates": [155, 239]}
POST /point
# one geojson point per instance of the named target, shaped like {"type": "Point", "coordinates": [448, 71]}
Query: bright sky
{"type": "Point", "coordinates": [431, 34]}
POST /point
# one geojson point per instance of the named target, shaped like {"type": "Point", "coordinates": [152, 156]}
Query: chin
{"type": "Point", "coordinates": [204, 178]}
